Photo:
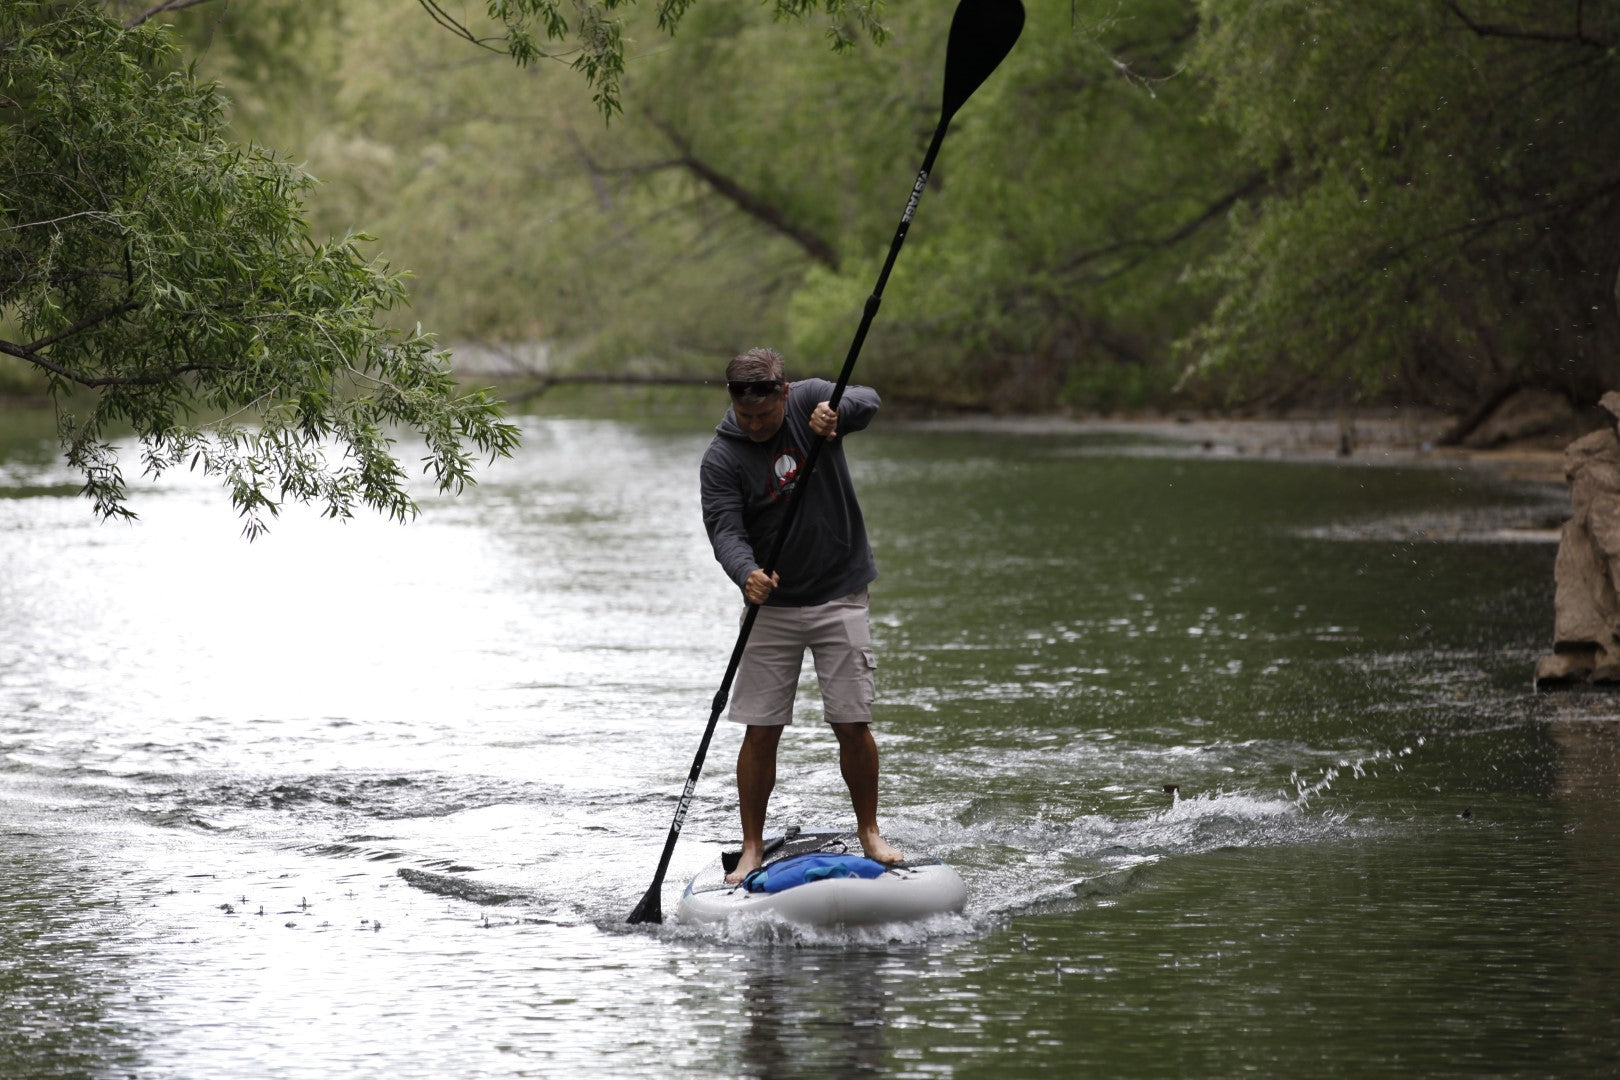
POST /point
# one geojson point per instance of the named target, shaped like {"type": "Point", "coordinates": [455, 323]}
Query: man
{"type": "Point", "coordinates": [817, 599]}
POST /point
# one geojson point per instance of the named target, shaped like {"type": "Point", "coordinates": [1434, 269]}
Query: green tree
{"type": "Point", "coordinates": [1078, 186]}
{"type": "Point", "coordinates": [751, 178]}
{"type": "Point", "coordinates": [164, 281]}
{"type": "Point", "coordinates": [672, 234]}
{"type": "Point", "coordinates": [1443, 199]}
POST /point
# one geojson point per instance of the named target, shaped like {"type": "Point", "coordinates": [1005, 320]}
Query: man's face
{"type": "Point", "coordinates": [760, 420]}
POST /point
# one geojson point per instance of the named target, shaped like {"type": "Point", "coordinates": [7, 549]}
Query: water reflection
{"type": "Point", "coordinates": [1588, 772]}
{"type": "Point", "coordinates": [809, 1015]}
{"type": "Point", "coordinates": [64, 979]}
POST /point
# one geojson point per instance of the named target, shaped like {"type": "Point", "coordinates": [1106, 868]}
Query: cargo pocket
{"type": "Point", "coordinates": [869, 677]}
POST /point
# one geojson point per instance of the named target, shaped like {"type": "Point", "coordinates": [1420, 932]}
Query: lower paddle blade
{"type": "Point", "coordinates": [650, 909]}
{"type": "Point", "coordinates": [983, 32]}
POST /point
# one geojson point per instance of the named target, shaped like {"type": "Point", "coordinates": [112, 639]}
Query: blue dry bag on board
{"type": "Point", "coordinates": [803, 869]}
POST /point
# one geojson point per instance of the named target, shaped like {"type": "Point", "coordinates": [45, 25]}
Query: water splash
{"type": "Point", "coordinates": [1308, 789]}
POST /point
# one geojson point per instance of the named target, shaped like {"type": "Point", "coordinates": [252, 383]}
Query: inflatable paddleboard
{"type": "Point", "coordinates": [915, 889]}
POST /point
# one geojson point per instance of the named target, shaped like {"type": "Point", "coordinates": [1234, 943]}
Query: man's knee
{"type": "Point", "coordinates": [762, 737]}
{"type": "Point", "coordinates": [856, 730]}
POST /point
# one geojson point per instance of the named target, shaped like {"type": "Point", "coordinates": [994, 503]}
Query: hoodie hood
{"type": "Point", "coordinates": [728, 426]}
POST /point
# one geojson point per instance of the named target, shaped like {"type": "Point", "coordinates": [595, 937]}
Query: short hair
{"type": "Point", "coordinates": [759, 365]}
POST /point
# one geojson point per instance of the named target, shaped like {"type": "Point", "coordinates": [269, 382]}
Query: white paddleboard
{"type": "Point", "coordinates": [916, 889]}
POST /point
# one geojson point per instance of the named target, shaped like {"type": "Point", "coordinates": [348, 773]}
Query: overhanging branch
{"type": "Point", "coordinates": [168, 5]}
{"type": "Point", "coordinates": [450, 23]}
{"type": "Point", "coordinates": [1578, 37]}
{"type": "Point", "coordinates": [33, 353]}
{"type": "Point", "coordinates": [1245, 188]}
{"type": "Point", "coordinates": [749, 203]}
{"type": "Point", "coordinates": [77, 328]}
{"type": "Point", "coordinates": [98, 382]}
{"type": "Point", "coordinates": [546, 382]}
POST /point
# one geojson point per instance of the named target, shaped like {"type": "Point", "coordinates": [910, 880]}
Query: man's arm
{"type": "Point", "coordinates": [856, 408]}
{"type": "Point", "coordinates": [723, 521]}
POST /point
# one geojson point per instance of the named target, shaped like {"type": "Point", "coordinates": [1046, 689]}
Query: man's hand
{"type": "Point", "coordinates": [759, 586]}
{"type": "Point", "coordinates": [824, 420]}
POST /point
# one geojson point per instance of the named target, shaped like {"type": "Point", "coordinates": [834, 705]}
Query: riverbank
{"type": "Point", "coordinates": [1389, 438]}
{"type": "Point", "coordinates": [1523, 438]}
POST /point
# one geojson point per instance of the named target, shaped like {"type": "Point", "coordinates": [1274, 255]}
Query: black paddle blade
{"type": "Point", "coordinates": [983, 32]}
{"type": "Point", "coordinates": [651, 909]}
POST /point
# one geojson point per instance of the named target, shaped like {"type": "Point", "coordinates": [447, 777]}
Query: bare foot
{"type": "Point", "coordinates": [880, 850]}
{"type": "Point", "coordinates": [750, 860]}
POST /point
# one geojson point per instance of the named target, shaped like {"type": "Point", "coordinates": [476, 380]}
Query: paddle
{"type": "Point", "coordinates": [982, 34]}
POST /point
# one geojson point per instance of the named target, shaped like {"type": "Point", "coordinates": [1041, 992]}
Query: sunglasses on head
{"type": "Point", "coordinates": [754, 387]}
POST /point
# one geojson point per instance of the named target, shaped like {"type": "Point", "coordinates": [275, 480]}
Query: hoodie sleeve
{"type": "Point", "coordinates": [723, 518]}
{"type": "Point", "coordinates": [855, 409]}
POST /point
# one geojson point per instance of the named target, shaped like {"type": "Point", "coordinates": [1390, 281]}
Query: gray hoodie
{"type": "Point", "coordinates": [745, 487]}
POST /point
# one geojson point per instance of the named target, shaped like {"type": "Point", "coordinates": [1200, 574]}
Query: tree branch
{"type": "Point", "coordinates": [167, 5]}
{"type": "Point", "coordinates": [97, 382]}
{"type": "Point", "coordinates": [593, 173]}
{"type": "Point", "coordinates": [607, 379]}
{"type": "Point", "coordinates": [1487, 404]}
{"type": "Point", "coordinates": [31, 353]}
{"type": "Point", "coordinates": [1161, 70]}
{"type": "Point", "coordinates": [83, 324]}
{"type": "Point", "coordinates": [746, 201]}
{"type": "Point", "coordinates": [1609, 186]}
{"type": "Point", "coordinates": [56, 220]}
{"type": "Point", "coordinates": [446, 20]}
{"type": "Point", "coordinates": [1248, 186]}
{"type": "Point", "coordinates": [1579, 37]}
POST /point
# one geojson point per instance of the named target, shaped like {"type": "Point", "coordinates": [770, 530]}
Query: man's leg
{"type": "Point", "coordinates": [756, 778]}
{"type": "Point", "coordinates": [858, 761]}
{"type": "Point", "coordinates": [762, 699]}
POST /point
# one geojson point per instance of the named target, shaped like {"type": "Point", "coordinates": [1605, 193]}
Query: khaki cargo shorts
{"type": "Point", "coordinates": [839, 637]}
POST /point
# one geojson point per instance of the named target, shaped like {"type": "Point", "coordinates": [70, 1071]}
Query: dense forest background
{"type": "Point", "coordinates": [1250, 204]}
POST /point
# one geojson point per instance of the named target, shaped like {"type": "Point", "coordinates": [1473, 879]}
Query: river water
{"type": "Point", "coordinates": [1239, 759]}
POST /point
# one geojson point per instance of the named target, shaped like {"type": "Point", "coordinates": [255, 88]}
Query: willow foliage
{"type": "Point", "coordinates": [590, 34]}
{"type": "Point", "coordinates": [164, 280]}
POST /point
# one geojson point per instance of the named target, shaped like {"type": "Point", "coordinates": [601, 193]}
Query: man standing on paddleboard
{"type": "Point", "coordinates": [816, 599]}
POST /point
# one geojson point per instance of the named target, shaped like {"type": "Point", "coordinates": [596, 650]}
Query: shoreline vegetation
{"type": "Point", "coordinates": [1525, 440]}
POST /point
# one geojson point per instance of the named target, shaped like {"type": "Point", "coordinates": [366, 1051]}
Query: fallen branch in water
{"type": "Point", "coordinates": [546, 382]}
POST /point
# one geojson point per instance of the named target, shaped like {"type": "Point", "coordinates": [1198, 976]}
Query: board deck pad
{"type": "Point", "coordinates": [795, 841]}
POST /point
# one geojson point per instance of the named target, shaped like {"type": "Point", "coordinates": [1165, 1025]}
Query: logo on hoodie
{"type": "Point", "coordinates": [784, 473]}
